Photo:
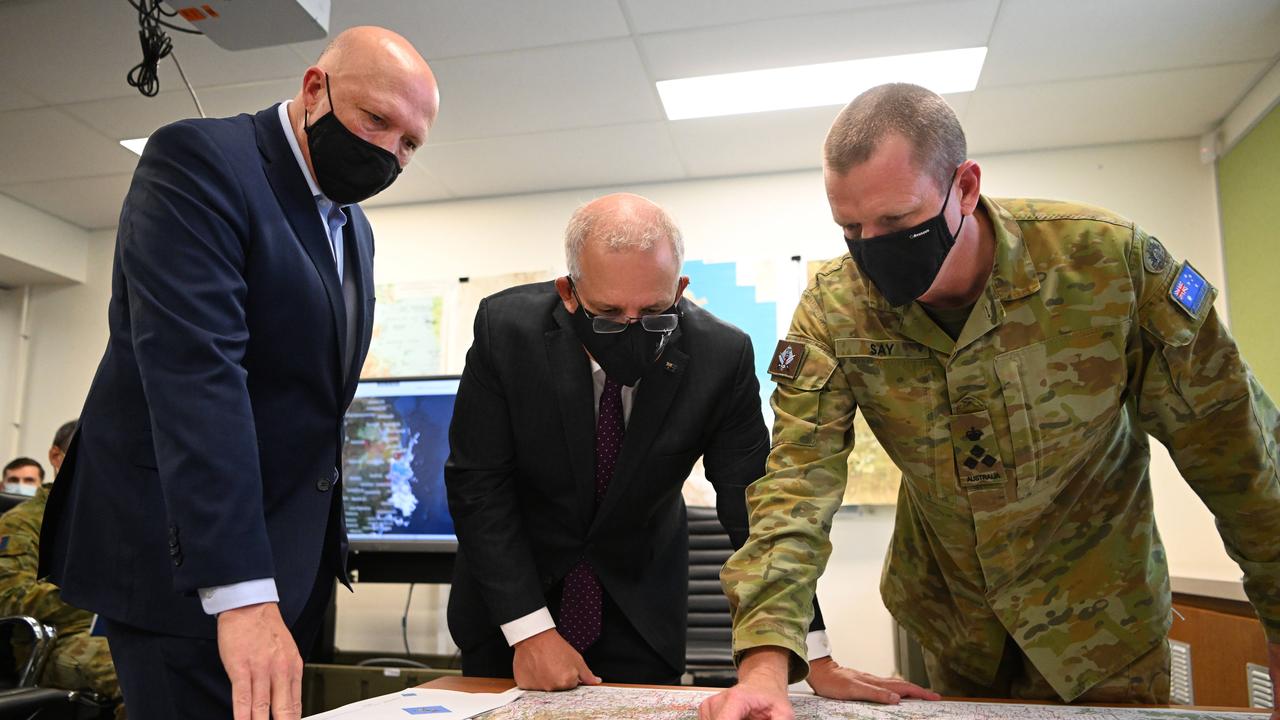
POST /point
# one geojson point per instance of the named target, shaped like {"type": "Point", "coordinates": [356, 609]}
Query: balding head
{"type": "Point", "coordinates": [624, 255]}
{"type": "Point", "coordinates": [621, 221]}
{"type": "Point", "coordinates": [381, 89]}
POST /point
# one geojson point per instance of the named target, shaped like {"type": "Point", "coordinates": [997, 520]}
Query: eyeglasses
{"type": "Point", "coordinates": [608, 325]}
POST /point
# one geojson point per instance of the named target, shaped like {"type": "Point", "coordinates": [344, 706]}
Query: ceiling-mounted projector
{"type": "Point", "coordinates": [247, 24]}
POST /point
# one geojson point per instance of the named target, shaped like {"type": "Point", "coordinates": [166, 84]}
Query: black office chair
{"type": "Point", "coordinates": [709, 647]}
{"type": "Point", "coordinates": [9, 500]}
{"type": "Point", "coordinates": [21, 697]}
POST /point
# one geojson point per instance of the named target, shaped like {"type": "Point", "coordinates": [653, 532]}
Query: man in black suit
{"type": "Point", "coordinates": [583, 406]}
{"type": "Point", "coordinates": [197, 511]}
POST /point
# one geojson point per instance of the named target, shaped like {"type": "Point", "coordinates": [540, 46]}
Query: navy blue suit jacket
{"type": "Point", "coordinates": [209, 446]}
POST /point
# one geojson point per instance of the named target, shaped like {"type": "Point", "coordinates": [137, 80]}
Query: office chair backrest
{"type": "Point", "coordinates": [709, 644]}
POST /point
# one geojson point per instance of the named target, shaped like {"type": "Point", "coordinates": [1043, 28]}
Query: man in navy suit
{"type": "Point", "coordinates": [198, 511]}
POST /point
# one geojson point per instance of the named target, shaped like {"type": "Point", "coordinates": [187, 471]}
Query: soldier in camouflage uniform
{"type": "Point", "coordinates": [1012, 367]}
{"type": "Point", "coordinates": [79, 660]}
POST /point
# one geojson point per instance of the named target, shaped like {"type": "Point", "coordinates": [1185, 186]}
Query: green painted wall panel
{"type": "Point", "coordinates": [1249, 196]}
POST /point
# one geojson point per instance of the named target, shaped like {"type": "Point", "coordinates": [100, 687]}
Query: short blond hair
{"type": "Point", "coordinates": [919, 115]}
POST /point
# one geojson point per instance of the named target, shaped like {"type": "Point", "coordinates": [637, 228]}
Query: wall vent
{"type": "Point", "coordinates": [1260, 687]}
{"type": "Point", "coordinates": [1182, 690]}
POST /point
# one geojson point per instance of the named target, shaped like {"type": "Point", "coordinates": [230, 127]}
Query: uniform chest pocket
{"type": "Point", "coordinates": [1060, 396]}
{"type": "Point", "coordinates": [898, 387]}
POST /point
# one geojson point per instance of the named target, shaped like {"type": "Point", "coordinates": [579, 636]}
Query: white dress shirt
{"type": "Point", "coordinates": [540, 620]}
{"type": "Point", "coordinates": [252, 592]}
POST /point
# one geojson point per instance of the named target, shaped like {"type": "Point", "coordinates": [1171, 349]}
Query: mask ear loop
{"type": "Point", "coordinates": [956, 235]}
{"type": "Point", "coordinates": [329, 94]}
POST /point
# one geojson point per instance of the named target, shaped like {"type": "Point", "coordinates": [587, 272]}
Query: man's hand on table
{"type": "Point", "coordinates": [547, 662]}
{"type": "Point", "coordinates": [830, 680]}
{"type": "Point", "coordinates": [761, 692]}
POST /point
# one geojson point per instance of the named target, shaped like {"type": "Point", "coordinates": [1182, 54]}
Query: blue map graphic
{"type": "Point", "coordinates": [714, 286]}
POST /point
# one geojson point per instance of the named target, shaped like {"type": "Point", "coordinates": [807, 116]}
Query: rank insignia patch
{"type": "Point", "coordinates": [787, 359]}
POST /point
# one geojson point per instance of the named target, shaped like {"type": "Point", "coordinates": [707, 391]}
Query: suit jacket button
{"type": "Point", "coordinates": [323, 485]}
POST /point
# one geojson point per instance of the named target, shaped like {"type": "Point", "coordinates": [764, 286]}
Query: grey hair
{"type": "Point", "coordinates": [917, 114]}
{"type": "Point", "coordinates": [618, 231]}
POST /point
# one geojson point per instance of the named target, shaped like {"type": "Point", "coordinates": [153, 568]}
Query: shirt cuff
{"type": "Point", "coordinates": [818, 645]}
{"type": "Point", "coordinates": [526, 627]}
{"type": "Point", "coordinates": [221, 598]}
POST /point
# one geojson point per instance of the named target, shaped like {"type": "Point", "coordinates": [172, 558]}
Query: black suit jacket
{"type": "Point", "coordinates": [208, 447]}
{"type": "Point", "coordinates": [520, 475]}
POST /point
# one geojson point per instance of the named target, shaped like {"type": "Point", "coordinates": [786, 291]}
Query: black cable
{"type": "Point", "coordinates": [156, 45]}
{"type": "Point", "coordinates": [167, 13]}
{"type": "Point", "coordinates": [404, 622]}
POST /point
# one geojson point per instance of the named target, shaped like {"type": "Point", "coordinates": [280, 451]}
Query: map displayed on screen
{"type": "Point", "coordinates": [394, 451]}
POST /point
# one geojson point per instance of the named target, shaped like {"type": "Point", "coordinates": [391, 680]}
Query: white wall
{"type": "Point", "coordinates": [69, 333]}
{"type": "Point", "coordinates": [1161, 185]}
{"type": "Point", "coordinates": [10, 314]}
{"type": "Point", "coordinates": [50, 249]}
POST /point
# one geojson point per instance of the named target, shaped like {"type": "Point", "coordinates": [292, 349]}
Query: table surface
{"type": "Point", "coordinates": [497, 685]}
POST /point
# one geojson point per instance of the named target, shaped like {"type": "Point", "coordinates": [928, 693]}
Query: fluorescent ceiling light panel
{"type": "Point", "coordinates": [136, 144]}
{"type": "Point", "coordinates": [946, 71]}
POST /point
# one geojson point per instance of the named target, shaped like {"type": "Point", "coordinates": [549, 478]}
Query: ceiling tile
{"type": "Point", "coordinates": [97, 41]}
{"type": "Point", "coordinates": [415, 185]}
{"type": "Point", "coordinates": [448, 28]}
{"type": "Point", "coordinates": [1170, 104]}
{"type": "Point", "coordinates": [51, 144]}
{"type": "Point", "coordinates": [755, 143]}
{"type": "Point", "coordinates": [547, 89]}
{"type": "Point", "coordinates": [866, 33]}
{"type": "Point", "coordinates": [207, 65]}
{"type": "Point", "coordinates": [14, 98]}
{"type": "Point", "coordinates": [92, 203]}
{"type": "Point", "coordinates": [1036, 41]}
{"type": "Point", "coordinates": [550, 161]}
{"type": "Point", "coordinates": [760, 142]}
{"type": "Point", "coordinates": [98, 46]}
{"type": "Point", "coordinates": [648, 16]}
{"type": "Point", "coordinates": [137, 116]}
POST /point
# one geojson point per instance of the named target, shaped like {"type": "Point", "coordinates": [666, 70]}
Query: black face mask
{"type": "Point", "coordinates": [627, 355]}
{"type": "Point", "coordinates": [349, 169]}
{"type": "Point", "coordinates": [903, 264]}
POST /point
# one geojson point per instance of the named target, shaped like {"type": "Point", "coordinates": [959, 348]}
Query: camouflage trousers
{"type": "Point", "coordinates": [79, 661]}
{"type": "Point", "coordinates": [1144, 682]}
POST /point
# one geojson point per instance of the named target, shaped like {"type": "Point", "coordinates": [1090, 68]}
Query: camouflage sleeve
{"type": "Point", "coordinates": [1197, 396]}
{"type": "Point", "coordinates": [770, 581]}
{"type": "Point", "coordinates": [21, 593]}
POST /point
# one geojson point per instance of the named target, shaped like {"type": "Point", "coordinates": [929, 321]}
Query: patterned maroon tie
{"type": "Point", "coordinates": [581, 605]}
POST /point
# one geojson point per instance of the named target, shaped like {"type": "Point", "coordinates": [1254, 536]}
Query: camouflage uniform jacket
{"type": "Point", "coordinates": [20, 592]}
{"type": "Point", "coordinates": [1025, 508]}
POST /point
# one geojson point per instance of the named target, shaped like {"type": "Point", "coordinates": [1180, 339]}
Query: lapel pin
{"type": "Point", "coordinates": [671, 367]}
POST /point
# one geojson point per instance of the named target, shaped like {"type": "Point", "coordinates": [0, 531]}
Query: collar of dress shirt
{"type": "Point", "coordinates": [297, 152]}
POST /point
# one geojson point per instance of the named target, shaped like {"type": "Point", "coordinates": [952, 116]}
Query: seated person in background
{"type": "Point", "coordinates": [23, 476]}
{"type": "Point", "coordinates": [583, 406]}
{"type": "Point", "coordinates": [79, 661]}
